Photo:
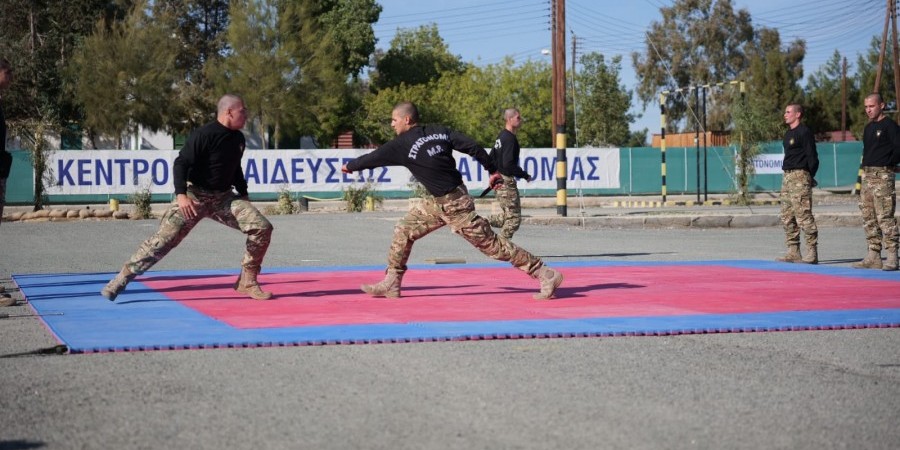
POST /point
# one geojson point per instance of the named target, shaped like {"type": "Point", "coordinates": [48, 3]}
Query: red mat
{"type": "Point", "coordinates": [442, 295]}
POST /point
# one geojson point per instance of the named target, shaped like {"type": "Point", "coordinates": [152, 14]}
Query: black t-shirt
{"type": "Point", "coordinates": [505, 155]}
{"type": "Point", "coordinates": [211, 159]}
{"type": "Point", "coordinates": [5, 157]}
{"type": "Point", "coordinates": [800, 150]}
{"type": "Point", "coordinates": [427, 151]}
{"type": "Point", "coordinates": [881, 144]}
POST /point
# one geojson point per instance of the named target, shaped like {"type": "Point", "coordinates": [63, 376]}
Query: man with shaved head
{"type": "Point", "coordinates": [206, 174]}
{"type": "Point", "coordinates": [877, 197]}
{"type": "Point", "coordinates": [427, 151]}
{"type": "Point", "coordinates": [505, 155]}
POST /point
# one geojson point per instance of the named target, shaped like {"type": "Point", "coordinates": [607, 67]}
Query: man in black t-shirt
{"type": "Point", "coordinates": [505, 155]}
{"type": "Point", "coordinates": [427, 151]}
{"type": "Point", "coordinates": [877, 197]}
{"type": "Point", "coordinates": [206, 173]}
{"type": "Point", "coordinates": [5, 160]}
{"type": "Point", "coordinates": [801, 162]}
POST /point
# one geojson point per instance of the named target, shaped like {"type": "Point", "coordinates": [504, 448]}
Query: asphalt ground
{"type": "Point", "coordinates": [804, 389]}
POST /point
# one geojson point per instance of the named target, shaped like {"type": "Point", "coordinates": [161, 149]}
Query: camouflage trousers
{"type": "Point", "coordinates": [510, 216]}
{"type": "Point", "coordinates": [2, 197]}
{"type": "Point", "coordinates": [796, 208]}
{"type": "Point", "coordinates": [877, 202]}
{"type": "Point", "coordinates": [456, 209]}
{"type": "Point", "coordinates": [223, 207]}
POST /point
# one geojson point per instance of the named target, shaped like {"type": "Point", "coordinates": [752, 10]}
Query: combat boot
{"type": "Point", "coordinates": [812, 255]}
{"type": "Point", "coordinates": [871, 261]}
{"type": "Point", "coordinates": [389, 287]}
{"type": "Point", "coordinates": [550, 280]}
{"type": "Point", "coordinates": [247, 284]}
{"type": "Point", "coordinates": [117, 284]}
{"type": "Point", "coordinates": [792, 255]}
{"type": "Point", "coordinates": [891, 262]}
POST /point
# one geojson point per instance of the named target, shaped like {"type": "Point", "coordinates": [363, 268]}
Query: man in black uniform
{"type": "Point", "coordinates": [877, 198]}
{"type": "Point", "coordinates": [5, 160]}
{"type": "Point", "coordinates": [206, 173]}
{"type": "Point", "coordinates": [505, 155]}
{"type": "Point", "coordinates": [801, 162]}
{"type": "Point", "coordinates": [427, 151]}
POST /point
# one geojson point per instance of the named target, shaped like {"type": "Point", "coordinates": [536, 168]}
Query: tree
{"type": "Point", "coordinates": [39, 37]}
{"type": "Point", "coordinates": [200, 27]}
{"type": "Point", "coordinates": [822, 104]}
{"type": "Point", "coordinates": [349, 23]}
{"type": "Point", "coordinates": [698, 42]}
{"type": "Point", "coordinates": [125, 72]}
{"type": "Point", "coordinates": [472, 102]}
{"type": "Point", "coordinates": [416, 56]}
{"type": "Point", "coordinates": [772, 79]}
{"type": "Point", "coordinates": [603, 118]}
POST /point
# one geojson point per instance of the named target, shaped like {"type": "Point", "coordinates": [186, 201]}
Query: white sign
{"type": "Point", "coordinates": [767, 164]}
{"type": "Point", "coordinates": [101, 172]}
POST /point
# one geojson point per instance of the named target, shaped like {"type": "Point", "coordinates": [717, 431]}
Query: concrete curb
{"type": "Point", "coordinates": [689, 221]}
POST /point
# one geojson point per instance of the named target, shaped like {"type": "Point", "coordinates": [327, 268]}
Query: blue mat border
{"type": "Point", "coordinates": [143, 319]}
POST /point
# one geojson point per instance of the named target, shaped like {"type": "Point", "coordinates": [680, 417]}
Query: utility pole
{"type": "Point", "coordinates": [884, 35]}
{"type": "Point", "coordinates": [892, 6]}
{"type": "Point", "coordinates": [559, 102]}
{"type": "Point", "coordinates": [574, 102]}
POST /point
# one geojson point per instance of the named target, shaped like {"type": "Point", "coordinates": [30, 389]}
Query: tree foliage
{"type": "Point", "coordinates": [416, 56]}
{"type": "Point", "coordinates": [603, 117]}
{"type": "Point", "coordinates": [471, 102]}
{"type": "Point", "coordinates": [701, 42]}
{"type": "Point", "coordinates": [125, 73]}
{"type": "Point", "coordinates": [822, 100]}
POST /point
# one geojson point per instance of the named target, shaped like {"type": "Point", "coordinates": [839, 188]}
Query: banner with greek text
{"type": "Point", "coordinates": [105, 172]}
{"type": "Point", "coordinates": [768, 163]}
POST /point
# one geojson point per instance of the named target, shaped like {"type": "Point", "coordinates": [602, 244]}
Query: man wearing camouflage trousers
{"type": "Point", "coordinates": [505, 155]}
{"type": "Point", "coordinates": [206, 173]}
{"type": "Point", "coordinates": [801, 161]}
{"type": "Point", "coordinates": [877, 198]}
{"type": "Point", "coordinates": [427, 151]}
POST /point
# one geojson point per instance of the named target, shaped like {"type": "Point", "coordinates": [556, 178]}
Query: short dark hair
{"type": "Point", "coordinates": [5, 65]}
{"type": "Point", "coordinates": [798, 107]}
{"type": "Point", "coordinates": [878, 98]}
{"type": "Point", "coordinates": [408, 109]}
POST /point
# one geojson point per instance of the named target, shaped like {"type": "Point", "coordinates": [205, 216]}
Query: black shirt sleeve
{"type": "Point", "coordinates": [467, 145]}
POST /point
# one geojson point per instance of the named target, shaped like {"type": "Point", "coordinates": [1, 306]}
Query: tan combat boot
{"type": "Point", "coordinates": [550, 280]}
{"type": "Point", "coordinates": [792, 255]}
{"type": "Point", "coordinates": [812, 255]}
{"type": "Point", "coordinates": [247, 284]}
{"type": "Point", "coordinates": [871, 261]}
{"type": "Point", "coordinates": [117, 284]}
{"type": "Point", "coordinates": [389, 287]}
{"type": "Point", "coordinates": [891, 262]}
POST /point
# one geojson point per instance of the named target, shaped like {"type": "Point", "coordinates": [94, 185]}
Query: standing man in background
{"type": "Point", "coordinates": [801, 161]}
{"type": "Point", "coordinates": [206, 173]}
{"type": "Point", "coordinates": [877, 197]}
{"type": "Point", "coordinates": [427, 151]}
{"type": "Point", "coordinates": [506, 157]}
{"type": "Point", "coordinates": [5, 160]}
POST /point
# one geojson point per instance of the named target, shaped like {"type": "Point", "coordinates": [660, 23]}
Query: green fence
{"type": "Point", "coordinates": [640, 174]}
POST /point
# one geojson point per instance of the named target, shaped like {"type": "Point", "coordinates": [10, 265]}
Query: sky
{"type": "Point", "coordinates": [486, 31]}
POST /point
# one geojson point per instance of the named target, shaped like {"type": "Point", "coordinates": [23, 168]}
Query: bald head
{"type": "Point", "coordinates": [230, 112]}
